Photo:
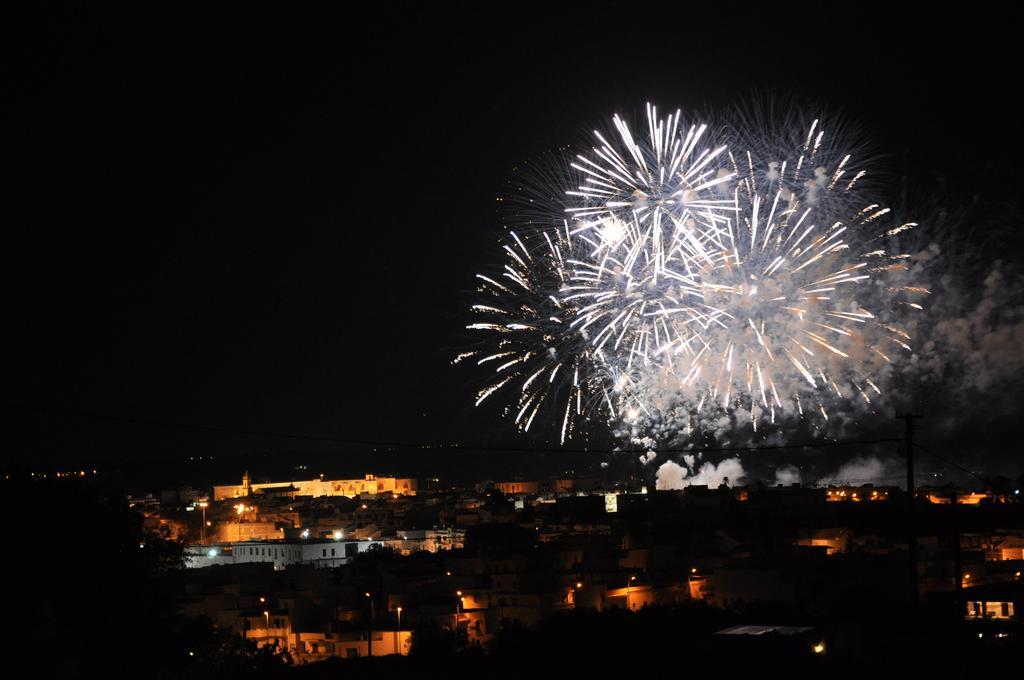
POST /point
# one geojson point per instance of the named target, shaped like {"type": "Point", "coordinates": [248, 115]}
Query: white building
{"type": "Point", "coordinates": [320, 553]}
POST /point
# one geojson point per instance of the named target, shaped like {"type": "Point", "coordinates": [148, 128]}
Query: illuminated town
{"type": "Point", "coordinates": [381, 566]}
{"type": "Point", "coordinates": [491, 340]}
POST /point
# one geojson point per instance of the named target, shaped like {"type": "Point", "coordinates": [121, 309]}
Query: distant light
{"type": "Point", "coordinates": [693, 570]}
{"type": "Point", "coordinates": [579, 584]}
{"type": "Point", "coordinates": [212, 552]}
{"type": "Point", "coordinates": [262, 599]}
{"type": "Point", "coordinates": [818, 648]}
{"type": "Point", "coordinates": [337, 535]}
{"type": "Point", "coordinates": [305, 533]}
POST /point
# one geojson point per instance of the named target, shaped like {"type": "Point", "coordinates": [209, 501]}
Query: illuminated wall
{"type": "Point", "coordinates": [370, 484]}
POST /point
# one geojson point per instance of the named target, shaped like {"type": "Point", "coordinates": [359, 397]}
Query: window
{"type": "Point", "coordinates": [325, 552]}
{"type": "Point", "coordinates": [332, 552]}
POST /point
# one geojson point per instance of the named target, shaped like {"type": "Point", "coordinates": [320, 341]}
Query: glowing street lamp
{"type": "Point", "coordinates": [398, 633]}
{"type": "Point", "coordinates": [459, 605]}
{"type": "Point", "coordinates": [369, 633]}
{"type": "Point", "coordinates": [240, 508]}
{"type": "Point", "coordinates": [202, 531]}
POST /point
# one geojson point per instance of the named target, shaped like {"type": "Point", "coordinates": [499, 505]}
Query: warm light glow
{"type": "Point", "coordinates": [579, 584]}
{"type": "Point", "coordinates": [819, 648]}
{"type": "Point", "coordinates": [262, 599]}
{"type": "Point", "coordinates": [693, 570]}
{"type": "Point", "coordinates": [337, 535]}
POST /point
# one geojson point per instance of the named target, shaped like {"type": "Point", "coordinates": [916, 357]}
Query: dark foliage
{"type": "Point", "coordinates": [92, 601]}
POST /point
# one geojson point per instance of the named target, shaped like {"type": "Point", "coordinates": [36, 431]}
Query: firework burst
{"type": "Point", "coordinates": [694, 283]}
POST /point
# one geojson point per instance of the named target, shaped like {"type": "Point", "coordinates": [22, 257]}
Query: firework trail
{"type": "Point", "coordinates": [538, 359]}
{"type": "Point", "coordinates": [698, 281]}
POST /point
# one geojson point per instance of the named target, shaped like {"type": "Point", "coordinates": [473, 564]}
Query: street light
{"type": "Point", "coordinates": [202, 531]}
{"type": "Point", "coordinates": [240, 508]}
{"type": "Point", "coordinates": [458, 608]}
{"type": "Point", "coordinates": [266, 615]}
{"type": "Point", "coordinates": [398, 634]}
{"type": "Point", "coordinates": [369, 633]}
{"type": "Point", "coordinates": [629, 590]}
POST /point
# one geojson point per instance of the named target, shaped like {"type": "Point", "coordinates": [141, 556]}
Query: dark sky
{"type": "Point", "coordinates": [269, 220]}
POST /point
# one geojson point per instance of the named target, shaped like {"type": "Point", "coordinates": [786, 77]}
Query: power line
{"type": "Point", "coordinates": [420, 445]}
{"type": "Point", "coordinates": [951, 463]}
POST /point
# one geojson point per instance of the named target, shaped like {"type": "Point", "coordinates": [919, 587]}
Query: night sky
{"type": "Point", "coordinates": [269, 220]}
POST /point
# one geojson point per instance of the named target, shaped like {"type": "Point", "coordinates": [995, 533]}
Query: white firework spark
{"type": "Point", "coordinates": [538, 359]}
{"type": "Point", "coordinates": [694, 278]}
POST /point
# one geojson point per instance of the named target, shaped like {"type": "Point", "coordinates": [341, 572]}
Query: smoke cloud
{"type": "Point", "coordinates": [787, 475]}
{"type": "Point", "coordinates": [869, 470]}
{"type": "Point", "coordinates": [672, 476]}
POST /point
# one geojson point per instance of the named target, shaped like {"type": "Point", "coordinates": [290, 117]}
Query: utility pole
{"type": "Point", "coordinates": [958, 569]}
{"type": "Point", "coordinates": [908, 443]}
